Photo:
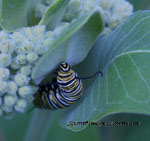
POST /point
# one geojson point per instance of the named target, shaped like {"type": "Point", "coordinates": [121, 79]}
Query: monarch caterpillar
{"type": "Point", "coordinates": [65, 89]}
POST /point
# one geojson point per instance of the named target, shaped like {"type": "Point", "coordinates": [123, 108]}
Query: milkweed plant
{"type": "Point", "coordinates": [90, 35]}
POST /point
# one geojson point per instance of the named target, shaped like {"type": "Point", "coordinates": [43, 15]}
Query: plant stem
{"type": "Point", "coordinates": [39, 125]}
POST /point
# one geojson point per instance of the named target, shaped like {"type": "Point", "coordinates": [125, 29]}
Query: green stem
{"type": "Point", "coordinates": [39, 125]}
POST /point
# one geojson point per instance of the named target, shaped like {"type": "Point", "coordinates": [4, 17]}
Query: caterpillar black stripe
{"type": "Point", "coordinates": [65, 89]}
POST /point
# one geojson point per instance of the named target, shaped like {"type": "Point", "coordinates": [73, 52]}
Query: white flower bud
{"type": "Point", "coordinates": [5, 60]}
{"type": "Point", "coordinates": [39, 30]}
{"type": "Point", "coordinates": [27, 47]}
{"type": "Point", "coordinates": [75, 6]}
{"type": "Point", "coordinates": [40, 38]}
{"type": "Point", "coordinates": [69, 17]}
{"type": "Point", "coordinates": [21, 79]}
{"type": "Point", "coordinates": [39, 10]}
{"type": "Point", "coordinates": [18, 36]}
{"type": "Point", "coordinates": [3, 87]}
{"type": "Point", "coordinates": [114, 22]}
{"type": "Point", "coordinates": [39, 49]}
{"type": "Point", "coordinates": [32, 38]}
{"type": "Point", "coordinates": [12, 88]}
{"type": "Point", "coordinates": [1, 111]}
{"type": "Point", "coordinates": [49, 42]}
{"type": "Point", "coordinates": [21, 105]}
{"type": "Point", "coordinates": [21, 59]}
{"type": "Point", "coordinates": [60, 28]}
{"type": "Point", "coordinates": [122, 6]}
{"type": "Point", "coordinates": [32, 57]}
{"type": "Point", "coordinates": [106, 16]}
{"type": "Point", "coordinates": [4, 73]}
{"type": "Point", "coordinates": [14, 65]}
{"type": "Point", "coordinates": [25, 91]}
{"type": "Point", "coordinates": [27, 69]}
{"type": "Point", "coordinates": [106, 4]}
{"type": "Point", "coordinates": [3, 35]}
{"type": "Point", "coordinates": [49, 34]}
{"type": "Point", "coordinates": [10, 100]}
{"type": "Point", "coordinates": [7, 46]}
{"type": "Point", "coordinates": [88, 4]}
{"type": "Point", "coordinates": [7, 109]}
{"type": "Point", "coordinates": [18, 49]}
{"type": "Point", "coordinates": [106, 31]}
{"type": "Point", "coordinates": [28, 31]}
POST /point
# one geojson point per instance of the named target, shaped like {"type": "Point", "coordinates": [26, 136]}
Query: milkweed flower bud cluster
{"type": "Point", "coordinates": [19, 52]}
{"type": "Point", "coordinates": [113, 11]}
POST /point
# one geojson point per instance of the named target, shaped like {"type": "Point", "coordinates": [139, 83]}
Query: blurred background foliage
{"type": "Point", "coordinates": [15, 129]}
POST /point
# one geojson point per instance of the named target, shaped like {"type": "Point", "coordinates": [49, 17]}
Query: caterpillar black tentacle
{"type": "Point", "coordinates": [64, 90]}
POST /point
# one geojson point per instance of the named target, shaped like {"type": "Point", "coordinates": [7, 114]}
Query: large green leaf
{"type": "Point", "coordinates": [54, 13]}
{"type": "Point", "coordinates": [123, 56]}
{"type": "Point", "coordinates": [72, 45]}
{"type": "Point", "coordinates": [14, 14]}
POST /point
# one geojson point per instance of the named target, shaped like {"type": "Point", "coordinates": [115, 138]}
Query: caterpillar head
{"type": "Point", "coordinates": [64, 67]}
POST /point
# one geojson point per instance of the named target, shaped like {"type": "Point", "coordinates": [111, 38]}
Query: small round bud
{"type": "Point", "coordinates": [28, 31]}
{"type": "Point", "coordinates": [3, 87]}
{"type": "Point", "coordinates": [122, 6]}
{"type": "Point", "coordinates": [69, 17]}
{"type": "Point", "coordinates": [106, 31]}
{"type": "Point", "coordinates": [25, 91]}
{"type": "Point", "coordinates": [32, 57]}
{"type": "Point", "coordinates": [39, 49]}
{"type": "Point", "coordinates": [49, 42]}
{"type": "Point", "coordinates": [7, 46]}
{"type": "Point", "coordinates": [84, 10]}
{"type": "Point", "coordinates": [49, 34]}
{"type": "Point", "coordinates": [21, 105]}
{"type": "Point", "coordinates": [39, 10]}
{"type": "Point", "coordinates": [106, 4]}
{"type": "Point", "coordinates": [21, 59]}
{"type": "Point", "coordinates": [12, 88]}
{"type": "Point", "coordinates": [60, 28]}
{"type": "Point", "coordinates": [7, 109]}
{"type": "Point", "coordinates": [89, 4]}
{"type": "Point", "coordinates": [27, 69]}
{"type": "Point", "coordinates": [4, 73]}
{"type": "Point", "coordinates": [14, 65]}
{"type": "Point", "coordinates": [114, 22]}
{"type": "Point", "coordinates": [18, 49]}
{"type": "Point", "coordinates": [21, 79]}
{"type": "Point", "coordinates": [3, 35]}
{"type": "Point", "coordinates": [10, 100]}
{"type": "Point", "coordinates": [1, 111]}
{"type": "Point", "coordinates": [27, 47]}
{"type": "Point", "coordinates": [5, 60]}
{"type": "Point", "coordinates": [40, 38]}
{"type": "Point", "coordinates": [39, 30]}
{"type": "Point", "coordinates": [106, 16]}
{"type": "Point", "coordinates": [75, 6]}
{"type": "Point", "coordinates": [18, 36]}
